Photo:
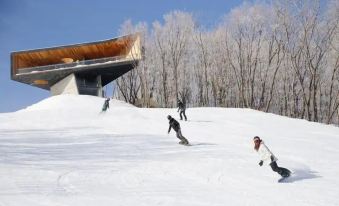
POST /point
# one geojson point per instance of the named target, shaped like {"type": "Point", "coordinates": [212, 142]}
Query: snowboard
{"type": "Point", "coordinates": [283, 179]}
{"type": "Point", "coordinates": [185, 144]}
{"type": "Point", "coordinates": [285, 175]}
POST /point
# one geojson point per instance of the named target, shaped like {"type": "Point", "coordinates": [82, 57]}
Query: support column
{"type": "Point", "coordinates": [67, 85]}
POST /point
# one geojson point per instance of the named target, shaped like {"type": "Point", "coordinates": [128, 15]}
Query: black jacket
{"type": "Point", "coordinates": [173, 124]}
{"type": "Point", "coordinates": [182, 106]}
{"type": "Point", "coordinates": [106, 105]}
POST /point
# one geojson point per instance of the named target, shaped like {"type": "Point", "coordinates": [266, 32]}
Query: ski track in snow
{"type": "Point", "coordinates": [62, 151]}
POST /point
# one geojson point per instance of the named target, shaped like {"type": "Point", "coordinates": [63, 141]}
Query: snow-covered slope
{"type": "Point", "coordinates": [63, 151]}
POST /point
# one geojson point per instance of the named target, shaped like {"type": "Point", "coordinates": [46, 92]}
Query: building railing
{"type": "Point", "coordinates": [69, 65]}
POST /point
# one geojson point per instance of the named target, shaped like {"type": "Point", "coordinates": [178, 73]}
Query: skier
{"type": "Point", "coordinates": [106, 105]}
{"type": "Point", "coordinates": [182, 108]}
{"type": "Point", "coordinates": [267, 155]}
{"type": "Point", "coordinates": [176, 127]}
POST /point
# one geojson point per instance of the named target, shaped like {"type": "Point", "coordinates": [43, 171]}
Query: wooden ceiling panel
{"type": "Point", "coordinates": [50, 56]}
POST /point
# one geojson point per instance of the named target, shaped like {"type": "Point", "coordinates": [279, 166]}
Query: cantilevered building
{"type": "Point", "coordinates": [79, 68]}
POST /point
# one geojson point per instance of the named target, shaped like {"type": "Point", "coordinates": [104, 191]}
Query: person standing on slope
{"type": "Point", "coordinates": [267, 156]}
{"type": "Point", "coordinates": [182, 108]}
{"type": "Point", "coordinates": [106, 105]}
{"type": "Point", "coordinates": [176, 127]}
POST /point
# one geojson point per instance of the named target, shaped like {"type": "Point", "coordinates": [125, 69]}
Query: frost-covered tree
{"type": "Point", "coordinates": [280, 57]}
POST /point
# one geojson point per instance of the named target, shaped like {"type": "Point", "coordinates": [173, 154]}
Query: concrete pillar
{"type": "Point", "coordinates": [67, 85]}
{"type": "Point", "coordinates": [99, 84]}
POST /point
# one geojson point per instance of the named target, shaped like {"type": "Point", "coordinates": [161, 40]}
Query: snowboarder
{"type": "Point", "coordinates": [176, 127]}
{"type": "Point", "coordinates": [106, 105]}
{"type": "Point", "coordinates": [267, 156]}
{"type": "Point", "coordinates": [182, 108]}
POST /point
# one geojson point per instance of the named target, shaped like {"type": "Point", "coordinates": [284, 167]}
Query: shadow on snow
{"type": "Point", "coordinates": [302, 174]}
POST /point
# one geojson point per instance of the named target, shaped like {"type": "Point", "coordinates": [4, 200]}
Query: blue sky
{"type": "Point", "coordinates": [30, 24]}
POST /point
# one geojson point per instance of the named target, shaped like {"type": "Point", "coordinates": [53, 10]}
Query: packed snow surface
{"type": "Point", "coordinates": [62, 151]}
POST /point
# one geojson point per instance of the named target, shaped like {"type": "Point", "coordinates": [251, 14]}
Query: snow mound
{"type": "Point", "coordinates": [74, 102]}
{"type": "Point", "coordinates": [64, 111]}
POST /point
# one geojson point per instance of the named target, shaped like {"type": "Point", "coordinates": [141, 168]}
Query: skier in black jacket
{"type": "Point", "coordinates": [106, 105]}
{"type": "Point", "coordinates": [176, 127]}
{"type": "Point", "coordinates": [182, 108]}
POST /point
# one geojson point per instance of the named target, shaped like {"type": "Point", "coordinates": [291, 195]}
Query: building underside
{"type": "Point", "coordinates": [77, 69]}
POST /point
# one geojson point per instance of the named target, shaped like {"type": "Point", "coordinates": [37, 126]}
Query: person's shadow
{"type": "Point", "coordinates": [201, 144]}
{"type": "Point", "coordinates": [204, 121]}
{"type": "Point", "coordinates": [302, 174]}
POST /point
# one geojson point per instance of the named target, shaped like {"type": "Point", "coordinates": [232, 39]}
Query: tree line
{"type": "Point", "coordinates": [280, 57]}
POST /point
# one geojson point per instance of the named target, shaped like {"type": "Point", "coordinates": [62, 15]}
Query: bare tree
{"type": "Point", "coordinates": [134, 82]}
{"type": "Point", "coordinates": [161, 51]}
{"type": "Point", "coordinates": [179, 27]}
{"type": "Point", "coordinates": [279, 57]}
{"type": "Point", "coordinates": [202, 42]}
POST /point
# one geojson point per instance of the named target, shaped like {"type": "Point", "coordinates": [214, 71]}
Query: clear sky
{"type": "Point", "coordinates": [31, 24]}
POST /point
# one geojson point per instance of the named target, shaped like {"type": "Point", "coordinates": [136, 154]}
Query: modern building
{"type": "Point", "coordinates": [79, 68]}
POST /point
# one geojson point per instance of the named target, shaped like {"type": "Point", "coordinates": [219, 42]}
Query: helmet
{"type": "Point", "coordinates": [169, 117]}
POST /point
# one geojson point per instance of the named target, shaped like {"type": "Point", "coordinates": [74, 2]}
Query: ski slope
{"type": "Point", "coordinates": [63, 152]}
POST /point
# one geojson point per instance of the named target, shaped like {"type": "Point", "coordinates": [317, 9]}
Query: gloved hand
{"type": "Point", "coordinates": [261, 163]}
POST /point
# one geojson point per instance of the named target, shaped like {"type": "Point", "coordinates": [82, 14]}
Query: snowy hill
{"type": "Point", "coordinates": [62, 151]}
